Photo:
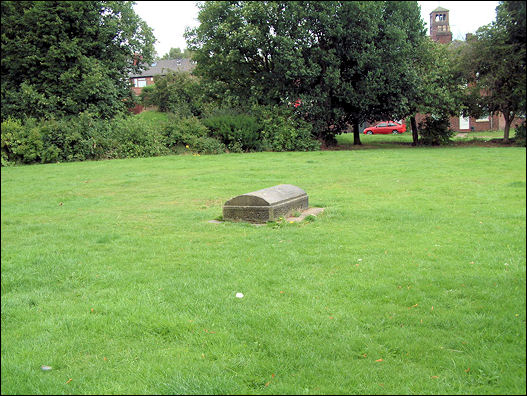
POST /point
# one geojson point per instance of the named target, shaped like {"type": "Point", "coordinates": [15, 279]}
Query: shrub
{"type": "Point", "coordinates": [176, 92]}
{"type": "Point", "coordinates": [283, 131]}
{"type": "Point", "coordinates": [137, 138]}
{"type": "Point", "coordinates": [519, 135]}
{"type": "Point", "coordinates": [180, 130]}
{"type": "Point", "coordinates": [239, 132]}
{"type": "Point", "coordinates": [205, 145]}
{"type": "Point", "coordinates": [21, 142]}
{"type": "Point", "coordinates": [191, 132]}
{"type": "Point", "coordinates": [435, 130]}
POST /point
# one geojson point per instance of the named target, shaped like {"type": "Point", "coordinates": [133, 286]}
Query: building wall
{"type": "Point", "coordinates": [494, 123]}
{"type": "Point", "coordinates": [137, 90]}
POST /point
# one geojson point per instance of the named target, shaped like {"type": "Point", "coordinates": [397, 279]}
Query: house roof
{"type": "Point", "coordinates": [161, 67]}
{"type": "Point", "coordinates": [440, 9]}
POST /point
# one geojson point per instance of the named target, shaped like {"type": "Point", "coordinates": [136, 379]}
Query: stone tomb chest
{"type": "Point", "coordinates": [266, 205]}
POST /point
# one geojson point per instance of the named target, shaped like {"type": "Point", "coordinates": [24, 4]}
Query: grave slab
{"type": "Point", "coordinates": [268, 204]}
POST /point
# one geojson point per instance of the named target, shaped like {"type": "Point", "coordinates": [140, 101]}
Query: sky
{"type": "Point", "coordinates": [168, 19]}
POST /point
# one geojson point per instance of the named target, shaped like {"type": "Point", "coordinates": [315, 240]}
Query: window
{"type": "Point", "coordinates": [382, 124]}
{"type": "Point", "coordinates": [392, 124]}
{"type": "Point", "coordinates": [140, 82]}
{"type": "Point", "coordinates": [483, 119]}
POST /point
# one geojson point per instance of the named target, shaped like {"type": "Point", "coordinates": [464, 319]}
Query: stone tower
{"type": "Point", "coordinates": [440, 26]}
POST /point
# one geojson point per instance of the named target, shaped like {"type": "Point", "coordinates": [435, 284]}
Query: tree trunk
{"type": "Point", "coordinates": [356, 133]}
{"type": "Point", "coordinates": [508, 120]}
{"type": "Point", "coordinates": [415, 135]}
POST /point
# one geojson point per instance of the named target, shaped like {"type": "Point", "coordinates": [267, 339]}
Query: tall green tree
{"type": "Point", "coordinates": [346, 62]}
{"type": "Point", "coordinates": [494, 64]}
{"type": "Point", "coordinates": [66, 57]}
{"type": "Point", "coordinates": [438, 92]}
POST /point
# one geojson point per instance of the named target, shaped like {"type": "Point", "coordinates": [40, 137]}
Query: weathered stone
{"type": "Point", "coordinates": [266, 205]}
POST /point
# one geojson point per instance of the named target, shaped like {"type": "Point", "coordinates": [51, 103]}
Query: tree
{"type": "Point", "coordinates": [176, 53]}
{"type": "Point", "coordinates": [438, 92]}
{"type": "Point", "coordinates": [331, 55]}
{"type": "Point", "coordinates": [494, 64]}
{"type": "Point", "coordinates": [66, 57]}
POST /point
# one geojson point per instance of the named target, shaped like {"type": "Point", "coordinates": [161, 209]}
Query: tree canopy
{"type": "Point", "coordinates": [176, 53]}
{"type": "Point", "coordinates": [345, 62]}
{"type": "Point", "coordinates": [66, 57]}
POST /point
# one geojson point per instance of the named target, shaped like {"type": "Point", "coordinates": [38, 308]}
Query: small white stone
{"type": "Point", "coordinates": [239, 295]}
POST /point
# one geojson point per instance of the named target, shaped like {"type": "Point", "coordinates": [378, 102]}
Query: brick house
{"type": "Point", "coordinates": [157, 68]}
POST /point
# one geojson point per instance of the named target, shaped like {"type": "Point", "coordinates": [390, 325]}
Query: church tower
{"type": "Point", "coordinates": [440, 26]}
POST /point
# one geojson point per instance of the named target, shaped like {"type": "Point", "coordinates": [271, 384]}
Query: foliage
{"type": "Point", "coordinates": [87, 137]}
{"type": "Point", "coordinates": [435, 130]}
{"type": "Point", "coordinates": [137, 138]}
{"type": "Point", "coordinates": [78, 138]}
{"type": "Point", "coordinates": [239, 132]}
{"type": "Point", "coordinates": [281, 130]}
{"type": "Point", "coordinates": [176, 53]}
{"type": "Point", "coordinates": [494, 67]}
{"type": "Point", "coordinates": [64, 58]}
{"type": "Point", "coordinates": [192, 133]}
{"type": "Point", "coordinates": [330, 55]}
{"type": "Point", "coordinates": [439, 88]}
{"type": "Point", "coordinates": [176, 92]}
{"type": "Point", "coordinates": [204, 145]}
{"type": "Point", "coordinates": [519, 136]}
{"type": "Point", "coordinates": [20, 143]}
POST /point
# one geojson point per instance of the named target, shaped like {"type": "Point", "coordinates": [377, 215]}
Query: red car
{"type": "Point", "coordinates": [386, 127]}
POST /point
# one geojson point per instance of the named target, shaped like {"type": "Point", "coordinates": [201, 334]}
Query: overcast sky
{"type": "Point", "coordinates": [168, 19]}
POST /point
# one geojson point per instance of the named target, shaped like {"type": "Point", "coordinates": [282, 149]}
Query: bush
{"type": "Point", "coordinates": [435, 130]}
{"type": "Point", "coordinates": [180, 130]}
{"type": "Point", "coordinates": [176, 92]}
{"type": "Point", "coordinates": [283, 131]}
{"type": "Point", "coordinates": [191, 132]}
{"type": "Point", "coordinates": [519, 135]}
{"type": "Point", "coordinates": [137, 138]}
{"type": "Point", "coordinates": [239, 132]}
{"type": "Point", "coordinates": [205, 145]}
{"type": "Point", "coordinates": [75, 138]}
{"type": "Point", "coordinates": [21, 142]}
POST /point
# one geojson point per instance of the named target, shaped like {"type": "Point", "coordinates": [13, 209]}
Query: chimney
{"type": "Point", "coordinates": [137, 58]}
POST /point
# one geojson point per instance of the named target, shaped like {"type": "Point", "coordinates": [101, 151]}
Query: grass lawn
{"type": "Point", "coordinates": [392, 141]}
{"type": "Point", "coordinates": [412, 281]}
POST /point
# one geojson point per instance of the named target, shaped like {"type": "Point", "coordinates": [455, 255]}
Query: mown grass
{"type": "Point", "coordinates": [412, 281]}
{"type": "Point", "coordinates": [392, 141]}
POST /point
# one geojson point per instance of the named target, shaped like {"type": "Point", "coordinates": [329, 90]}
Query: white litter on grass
{"type": "Point", "coordinates": [239, 295]}
{"type": "Point", "coordinates": [45, 368]}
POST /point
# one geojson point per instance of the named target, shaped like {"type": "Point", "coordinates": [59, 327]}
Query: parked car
{"type": "Point", "coordinates": [386, 127]}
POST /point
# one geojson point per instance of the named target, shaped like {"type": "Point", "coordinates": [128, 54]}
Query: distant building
{"type": "Point", "coordinates": [440, 26]}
